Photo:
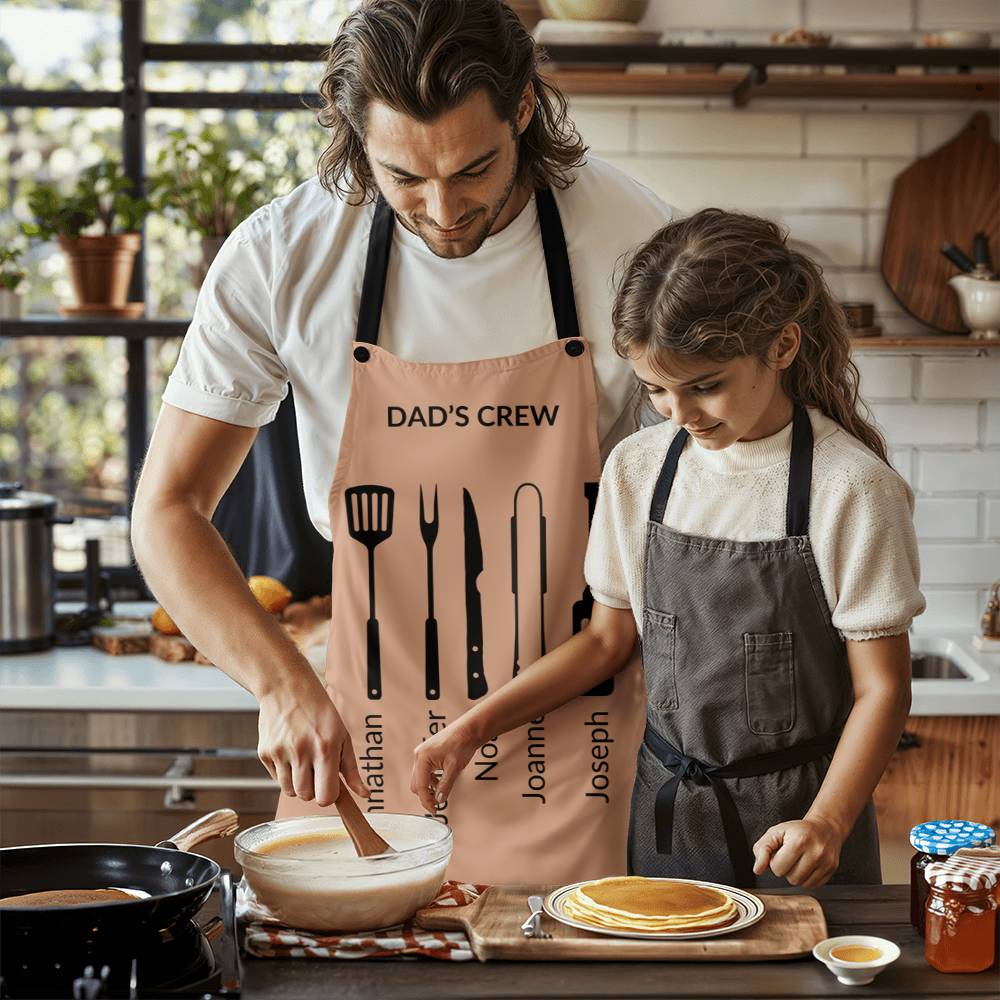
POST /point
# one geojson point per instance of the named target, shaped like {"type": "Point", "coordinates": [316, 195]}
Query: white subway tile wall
{"type": "Point", "coordinates": [992, 424]}
{"type": "Point", "coordinates": [858, 15]}
{"type": "Point", "coordinates": [993, 519]}
{"type": "Point", "coordinates": [825, 170]}
{"type": "Point", "coordinates": [973, 14]}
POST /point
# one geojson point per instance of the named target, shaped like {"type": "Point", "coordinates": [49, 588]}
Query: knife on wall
{"type": "Point", "coordinates": [475, 675]}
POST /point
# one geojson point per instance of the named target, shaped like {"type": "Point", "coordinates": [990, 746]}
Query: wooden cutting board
{"type": "Point", "coordinates": [789, 928]}
{"type": "Point", "coordinates": [948, 195]}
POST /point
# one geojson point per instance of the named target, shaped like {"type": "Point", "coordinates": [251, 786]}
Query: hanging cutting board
{"type": "Point", "coordinates": [790, 927]}
{"type": "Point", "coordinates": [946, 196]}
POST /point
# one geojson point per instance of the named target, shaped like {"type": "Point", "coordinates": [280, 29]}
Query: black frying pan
{"type": "Point", "coordinates": [177, 883]}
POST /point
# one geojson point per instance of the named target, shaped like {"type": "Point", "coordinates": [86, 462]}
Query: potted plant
{"type": "Point", "coordinates": [208, 187]}
{"type": "Point", "coordinates": [11, 277]}
{"type": "Point", "coordinates": [100, 264]}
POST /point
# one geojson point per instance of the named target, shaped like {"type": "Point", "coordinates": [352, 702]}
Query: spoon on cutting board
{"type": "Point", "coordinates": [366, 841]}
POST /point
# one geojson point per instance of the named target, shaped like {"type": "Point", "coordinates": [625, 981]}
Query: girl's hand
{"type": "Point", "coordinates": [437, 762]}
{"type": "Point", "coordinates": [804, 851]}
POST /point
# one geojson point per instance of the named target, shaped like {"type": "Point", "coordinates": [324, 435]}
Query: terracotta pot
{"type": "Point", "coordinates": [100, 267]}
{"type": "Point", "coordinates": [210, 246]}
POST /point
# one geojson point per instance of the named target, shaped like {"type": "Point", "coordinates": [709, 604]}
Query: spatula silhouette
{"type": "Point", "coordinates": [369, 521]}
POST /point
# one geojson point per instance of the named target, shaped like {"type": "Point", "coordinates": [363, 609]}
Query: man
{"type": "Point", "coordinates": [439, 299]}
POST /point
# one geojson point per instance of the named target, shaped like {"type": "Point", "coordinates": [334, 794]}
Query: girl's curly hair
{"type": "Point", "coordinates": [722, 285]}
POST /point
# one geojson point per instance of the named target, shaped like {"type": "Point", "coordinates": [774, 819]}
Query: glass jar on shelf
{"type": "Point", "coordinates": [936, 841]}
{"type": "Point", "coordinates": [961, 918]}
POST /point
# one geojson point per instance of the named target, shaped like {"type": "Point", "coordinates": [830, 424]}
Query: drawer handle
{"type": "Point", "coordinates": [193, 782]}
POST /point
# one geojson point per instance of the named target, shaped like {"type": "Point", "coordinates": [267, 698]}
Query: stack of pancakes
{"type": "Point", "coordinates": [650, 906]}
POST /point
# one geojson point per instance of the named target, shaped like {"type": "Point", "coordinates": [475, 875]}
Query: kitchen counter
{"type": "Point", "coordinates": [85, 679]}
{"type": "Point", "coordinates": [878, 910]}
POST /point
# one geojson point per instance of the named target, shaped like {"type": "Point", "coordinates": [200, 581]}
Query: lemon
{"type": "Point", "coordinates": [163, 623]}
{"type": "Point", "coordinates": [272, 595]}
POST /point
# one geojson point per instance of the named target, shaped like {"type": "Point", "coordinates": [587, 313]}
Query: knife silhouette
{"type": "Point", "coordinates": [543, 571]}
{"type": "Point", "coordinates": [584, 608]}
{"type": "Point", "coordinates": [475, 675]}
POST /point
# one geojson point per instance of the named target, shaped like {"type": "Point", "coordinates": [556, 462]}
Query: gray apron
{"type": "Point", "coordinates": [748, 689]}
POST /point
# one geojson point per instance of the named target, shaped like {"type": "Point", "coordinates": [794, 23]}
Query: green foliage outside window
{"type": "Point", "coordinates": [199, 185]}
{"type": "Point", "coordinates": [11, 275]}
{"type": "Point", "coordinates": [102, 198]}
{"type": "Point", "coordinates": [62, 414]}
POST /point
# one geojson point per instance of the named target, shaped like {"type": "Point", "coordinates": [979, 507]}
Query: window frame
{"type": "Point", "coordinates": [134, 100]}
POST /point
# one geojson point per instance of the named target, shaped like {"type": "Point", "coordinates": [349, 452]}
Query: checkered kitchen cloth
{"type": "Point", "coordinates": [266, 937]}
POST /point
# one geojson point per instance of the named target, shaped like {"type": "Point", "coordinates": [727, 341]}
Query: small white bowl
{"type": "Point", "coordinates": [856, 973]}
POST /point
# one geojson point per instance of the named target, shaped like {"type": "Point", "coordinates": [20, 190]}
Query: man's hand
{"type": "Point", "coordinates": [437, 763]}
{"type": "Point", "coordinates": [804, 851]}
{"type": "Point", "coordinates": [304, 744]}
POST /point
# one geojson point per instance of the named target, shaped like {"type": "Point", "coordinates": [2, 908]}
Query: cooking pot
{"type": "Point", "coordinates": [27, 579]}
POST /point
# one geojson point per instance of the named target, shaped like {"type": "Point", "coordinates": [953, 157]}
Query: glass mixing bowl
{"type": "Point", "coordinates": [342, 892]}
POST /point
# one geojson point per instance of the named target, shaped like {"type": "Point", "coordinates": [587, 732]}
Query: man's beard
{"type": "Point", "coordinates": [477, 235]}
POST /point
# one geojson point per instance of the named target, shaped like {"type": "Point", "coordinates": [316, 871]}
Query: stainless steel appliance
{"type": "Point", "coordinates": [27, 582]}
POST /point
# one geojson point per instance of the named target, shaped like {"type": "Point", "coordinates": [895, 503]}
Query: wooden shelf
{"type": "Point", "coordinates": [978, 86]}
{"type": "Point", "coordinates": [143, 329]}
{"type": "Point", "coordinates": [943, 341]}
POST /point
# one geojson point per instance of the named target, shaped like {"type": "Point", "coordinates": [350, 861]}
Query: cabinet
{"type": "Point", "coordinates": [951, 771]}
{"type": "Point", "coordinates": [128, 777]}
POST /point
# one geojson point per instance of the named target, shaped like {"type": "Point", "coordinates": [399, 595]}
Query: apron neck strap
{"type": "Point", "coordinates": [665, 481]}
{"type": "Point", "coordinates": [556, 265]}
{"type": "Point", "coordinates": [376, 268]}
{"type": "Point", "coordinates": [799, 476]}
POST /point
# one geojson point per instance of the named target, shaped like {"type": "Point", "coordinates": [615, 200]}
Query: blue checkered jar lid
{"type": "Point", "coordinates": [945, 836]}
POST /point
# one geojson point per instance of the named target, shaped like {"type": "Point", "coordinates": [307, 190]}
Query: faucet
{"type": "Point", "coordinates": [991, 616]}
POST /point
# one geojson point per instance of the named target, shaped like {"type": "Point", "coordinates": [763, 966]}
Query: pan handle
{"type": "Point", "coordinates": [221, 823]}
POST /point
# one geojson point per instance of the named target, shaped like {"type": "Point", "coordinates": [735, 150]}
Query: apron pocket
{"type": "Point", "coordinates": [770, 681]}
{"type": "Point", "coordinates": [659, 656]}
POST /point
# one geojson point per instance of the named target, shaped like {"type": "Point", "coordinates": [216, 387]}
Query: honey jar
{"type": "Point", "coordinates": [936, 841]}
{"type": "Point", "coordinates": [961, 918]}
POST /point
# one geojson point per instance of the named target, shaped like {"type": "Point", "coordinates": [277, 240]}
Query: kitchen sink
{"type": "Point", "coordinates": [943, 659]}
{"type": "Point", "coordinates": [927, 666]}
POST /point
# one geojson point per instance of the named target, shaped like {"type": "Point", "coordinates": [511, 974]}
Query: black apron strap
{"type": "Point", "coordinates": [688, 769]}
{"type": "Point", "coordinates": [661, 493]}
{"type": "Point", "coordinates": [376, 268]}
{"type": "Point", "coordinates": [799, 475]}
{"type": "Point", "coordinates": [557, 265]}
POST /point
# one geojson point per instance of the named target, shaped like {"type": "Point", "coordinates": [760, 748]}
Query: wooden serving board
{"type": "Point", "coordinates": [948, 195]}
{"type": "Point", "coordinates": [790, 927]}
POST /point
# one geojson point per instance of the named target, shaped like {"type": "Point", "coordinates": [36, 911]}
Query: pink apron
{"type": "Point", "coordinates": [460, 510]}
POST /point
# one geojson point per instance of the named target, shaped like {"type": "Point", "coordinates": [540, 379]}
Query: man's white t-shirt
{"type": "Point", "coordinates": [279, 306]}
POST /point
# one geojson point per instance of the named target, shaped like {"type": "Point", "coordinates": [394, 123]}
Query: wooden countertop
{"type": "Point", "coordinates": [878, 910]}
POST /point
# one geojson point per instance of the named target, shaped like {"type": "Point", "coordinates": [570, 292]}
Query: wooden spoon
{"type": "Point", "coordinates": [366, 841]}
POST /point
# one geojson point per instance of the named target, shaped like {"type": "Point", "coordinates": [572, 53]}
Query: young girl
{"type": "Point", "coordinates": [762, 548]}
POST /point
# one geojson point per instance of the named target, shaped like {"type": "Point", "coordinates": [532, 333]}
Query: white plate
{"type": "Point", "coordinates": [750, 907]}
